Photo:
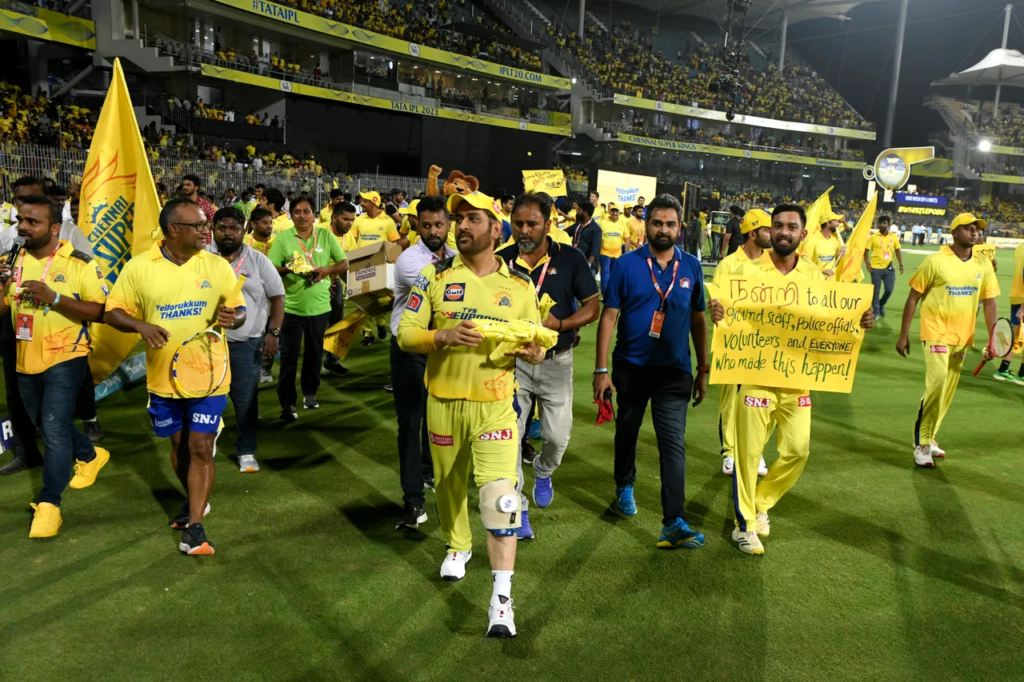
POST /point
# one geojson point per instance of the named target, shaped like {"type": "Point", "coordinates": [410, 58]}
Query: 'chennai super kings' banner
{"type": "Point", "coordinates": [117, 194]}
{"type": "Point", "coordinates": [550, 181]}
{"type": "Point", "coordinates": [788, 334]}
{"type": "Point", "coordinates": [625, 188]}
{"type": "Point", "coordinates": [848, 268]}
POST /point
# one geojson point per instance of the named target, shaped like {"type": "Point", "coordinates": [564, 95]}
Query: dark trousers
{"type": "Point", "coordinates": [85, 401]}
{"type": "Point", "coordinates": [336, 315]}
{"type": "Point", "coordinates": [882, 277]}
{"type": "Point", "coordinates": [246, 357]}
{"type": "Point", "coordinates": [293, 331]}
{"type": "Point", "coordinates": [21, 423]}
{"type": "Point", "coordinates": [414, 462]}
{"type": "Point", "coordinates": [668, 390]}
{"type": "Point", "coordinates": [51, 396]}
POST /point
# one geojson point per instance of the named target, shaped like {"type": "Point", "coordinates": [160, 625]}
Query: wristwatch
{"type": "Point", "coordinates": [274, 332]}
{"type": "Point", "coordinates": [703, 368]}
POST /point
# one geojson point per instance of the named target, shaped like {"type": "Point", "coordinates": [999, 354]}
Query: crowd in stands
{"type": "Point", "coordinates": [28, 119]}
{"type": "Point", "coordinates": [627, 62]}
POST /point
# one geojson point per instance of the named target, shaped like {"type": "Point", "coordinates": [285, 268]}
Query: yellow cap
{"type": "Point", "coordinates": [754, 219]}
{"type": "Point", "coordinates": [372, 197]}
{"type": "Point", "coordinates": [411, 208]}
{"type": "Point", "coordinates": [967, 219]}
{"type": "Point", "coordinates": [612, 207]}
{"type": "Point", "coordinates": [830, 215]}
{"type": "Point", "coordinates": [476, 200]}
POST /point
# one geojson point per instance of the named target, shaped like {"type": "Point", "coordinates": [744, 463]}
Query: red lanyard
{"type": "Point", "coordinates": [543, 273]}
{"type": "Point", "coordinates": [19, 270]}
{"type": "Point", "coordinates": [308, 254]}
{"type": "Point", "coordinates": [657, 287]}
{"type": "Point", "coordinates": [265, 245]}
{"type": "Point", "coordinates": [238, 266]}
{"type": "Point", "coordinates": [579, 233]}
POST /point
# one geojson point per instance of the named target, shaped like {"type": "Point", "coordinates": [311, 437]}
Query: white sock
{"type": "Point", "coordinates": [502, 587]}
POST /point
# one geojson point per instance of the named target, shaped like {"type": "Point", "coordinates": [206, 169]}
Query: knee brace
{"type": "Point", "coordinates": [499, 507]}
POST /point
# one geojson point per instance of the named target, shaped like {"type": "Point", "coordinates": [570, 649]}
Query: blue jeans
{"type": "Point", "coordinates": [246, 357]}
{"type": "Point", "coordinates": [607, 265]}
{"type": "Point", "coordinates": [50, 401]}
{"type": "Point", "coordinates": [880, 277]}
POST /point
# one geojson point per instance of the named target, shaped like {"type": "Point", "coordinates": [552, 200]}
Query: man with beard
{"type": "Point", "coordinates": [256, 340]}
{"type": "Point", "coordinates": [407, 369]}
{"type": "Point", "coordinates": [656, 298]}
{"type": "Point", "coordinates": [758, 407]}
{"type": "Point", "coordinates": [471, 389]}
{"type": "Point", "coordinates": [563, 273]}
{"type": "Point", "coordinates": [342, 218]}
{"type": "Point", "coordinates": [190, 186]}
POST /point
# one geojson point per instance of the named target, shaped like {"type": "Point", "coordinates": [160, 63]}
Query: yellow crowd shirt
{"type": "Point", "coordinates": [730, 265]}
{"type": "Point", "coordinates": [447, 293]}
{"type": "Point", "coordinates": [56, 338]}
{"type": "Point", "coordinates": [823, 252]}
{"type": "Point", "coordinates": [882, 249]}
{"type": "Point", "coordinates": [262, 247]}
{"type": "Point", "coordinates": [326, 213]}
{"type": "Point", "coordinates": [986, 250]}
{"type": "Point", "coordinates": [951, 290]}
{"type": "Point", "coordinates": [637, 231]}
{"type": "Point", "coordinates": [368, 231]}
{"type": "Point", "coordinates": [182, 299]}
{"type": "Point", "coordinates": [282, 223]}
{"type": "Point", "coordinates": [559, 235]}
{"type": "Point", "coordinates": [612, 234]}
{"type": "Point", "coordinates": [1017, 288]}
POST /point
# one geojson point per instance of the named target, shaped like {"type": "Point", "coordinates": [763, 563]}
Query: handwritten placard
{"type": "Point", "coordinates": [788, 334]}
{"type": "Point", "coordinates": [550, 181]}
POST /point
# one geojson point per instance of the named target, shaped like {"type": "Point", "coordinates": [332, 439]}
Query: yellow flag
{"type": "Point", "coordinates": [340, 338]}
{"type": "Point", "coordinates": [118, 193]}
{"type": "Point", "coordinates": [822, 206]}
{"type": "Point", "coordinates": [848, 268]}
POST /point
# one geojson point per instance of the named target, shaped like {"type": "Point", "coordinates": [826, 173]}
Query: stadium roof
{"type": "Point", "coordinates": [765, 13]}
{"type": "Point", "coordinates": [1000, 67]}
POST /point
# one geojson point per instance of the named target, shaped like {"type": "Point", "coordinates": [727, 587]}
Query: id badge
{"type": "Point", "coordinates": [887, 255]}
{"type": "Point", "coordinates": [656, 322]}
{"type": "Point", "coordinates": [23, 330]}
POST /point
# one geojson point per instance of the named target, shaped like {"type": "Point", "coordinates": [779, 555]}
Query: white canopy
{"type": "Point", "coordinates": [1000, 67]}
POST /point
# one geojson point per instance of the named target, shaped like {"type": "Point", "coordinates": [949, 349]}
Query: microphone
{"type": "Point", "coordinates": [12, 257]}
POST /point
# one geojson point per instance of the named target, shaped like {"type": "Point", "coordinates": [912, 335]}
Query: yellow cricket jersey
{"type": "Point", "coordinates": [730, 265]}
{"type": "Point", "coordinates": [882, 249]}
{"type": "Point", "coordinates": [598, 212]}
{"type": "Point", "coordinates": [282, 223]}
{"type": "Point", "coordinates": [56, 338]}
{"type": "Point", "coordinates": [1017, 288]}
{"type": "Point", "coordinates": [447, 293]}
{"type": "Point", "coordinates": [182, 299]}
{"type": "Point", "coordinates": [325, 213]}
{"type": "Point", "coordinates": [951, 290]}
{"type": "Point", "coordinates": [612, 234]}
{"type": "Point", "coordinates": [262, 247]}
{"type": "Point", "coordinates": [367, 230]}
{"type": "Point", "coordinates": [765, 267]}
{"type": "Point", "coordinates": [559, 235]}
{"type": "Point", "coordinates": [347, 241]}
{"type": "Point", "coordinates": [823, 252]}
{"type": "Point", "coordinates": [637, 231]}
{"type": "Point", "coordinates": [986, 250]}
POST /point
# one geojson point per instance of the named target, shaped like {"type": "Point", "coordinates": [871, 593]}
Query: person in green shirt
{"type": "Point", "coordinates": [244, 204]}
{"type": "Point", "coordinates": [306, 256]}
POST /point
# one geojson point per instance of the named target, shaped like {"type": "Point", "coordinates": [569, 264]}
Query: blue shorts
{"type": "Point", "coordinates": [170, 415]}
{"type": "Point", "coordinates": [1014, 309]}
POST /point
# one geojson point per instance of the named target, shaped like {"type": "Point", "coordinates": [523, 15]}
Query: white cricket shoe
{"type": "Point", "coordinates": [454, 566]}
{"type": "Point", "coordinates": [748, 542]}
{"type": "Point", "coordinates": [728, 466]}
{"type": "Point", "coordinates": [936, 450]}
{"type": "Point", "coordinates": [923, 456]}
{"type": "Point", "coordinates": [501, 623]}
{"type": "Point", "coordinates": [764, 525]}
{"type": "Point", "coordinates": [248, 464]}
{"type": "Point", "coordinates": [762, 468]}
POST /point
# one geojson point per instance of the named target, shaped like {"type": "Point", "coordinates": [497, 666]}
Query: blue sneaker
{"type": "Point", "coordinates": [679, 534]}
{"type": "Point", "coordinates": [624, 504]}
{"type": "Point", "coordinates": [543, 493]}
{"type": "Point", "coordinates": [524, 531]}
{"type": "Point", "coordinates": [533, 430]}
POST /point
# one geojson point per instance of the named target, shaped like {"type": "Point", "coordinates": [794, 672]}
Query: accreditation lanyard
{"type": "Point", "coordinates": [308, 254]}
{"type": "Point", "coordinates": [19, 270]}
{"type": "Point", "coordinates": [264, 248]}
{"type": "Point", "coordinates": [238, 265]}
{"type": "Point", "coordinates": [543, 273]}
{"type": "Point", "coordinates": [659, 315]}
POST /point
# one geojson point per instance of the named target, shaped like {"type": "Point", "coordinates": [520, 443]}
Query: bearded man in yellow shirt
{"type": "Point", "coordinates": [1016, 299]}
{"type": "Point", "coordinates": [636, 229]}
{"type": "Point", "coordinates": [825, 248]}
{"type": "Point", "coordinates": [881, 247]}
{"type": "Point", "coordinates": [951, 282]}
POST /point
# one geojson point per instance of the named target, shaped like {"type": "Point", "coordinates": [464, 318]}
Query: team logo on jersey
{"type": "Point", "coordinates": [203, 283]}
{"type": "Point", "coordinates": [751, 401]}
{"type": "Point", "coordinates": [501, 434]}
{"type": "Point", "coordinates": [415, 301]}
{"type": "Point", "coordinates": [805, 401]}
{"type": "Point", "coordinates": [684, 282]}
{"type": "Point", "coordinates": [939, 349]}
{"type": "Point", "coordinates": [441, 441]}
{"type": "Point", "coordinates": [498, 386]}
{"type": "Point", "coordinates": [59, 277]}
{"type": "Point", "coordinates": [503, 300]}
{"type": "Point", "coordinates": [455, 292]}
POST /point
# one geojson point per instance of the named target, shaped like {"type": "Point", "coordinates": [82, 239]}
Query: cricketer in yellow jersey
{"type": "Point", "coordinates": [951, 283]}
{"type": "Point", "coordinates": [471, 386]}
{"type": "Point", "coordinates": [1016, 298]}
{"type": "Point", "coordinates": [756, 226]}
{"type": "Point", "coordinates": [757, 406]}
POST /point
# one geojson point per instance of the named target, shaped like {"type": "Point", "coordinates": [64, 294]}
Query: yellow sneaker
{"type": "Point", "coordinates": [85, 472]}
{"type": "Point", "coordinates": [46, 521]}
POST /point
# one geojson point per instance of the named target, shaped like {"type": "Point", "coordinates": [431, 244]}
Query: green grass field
{"type": "Point", "coordinates": [875, 570]}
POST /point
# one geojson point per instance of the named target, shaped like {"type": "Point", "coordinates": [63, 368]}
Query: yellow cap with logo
{"type": "Point", "coordinates": [372, 197]}
{"type": "Point", "coordinates": [476, 200]}
{"type": "Point", "coordinates": [411, 208]}
{"type": "Point", "coordinates": [967, 219]}
{"type": "Point", "coordinates": [754, 219]}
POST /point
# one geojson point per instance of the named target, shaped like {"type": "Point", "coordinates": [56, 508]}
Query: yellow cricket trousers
{"type": "Point", "coordinates": [757, 407]}
{"type": "Point", "coordinates": [727, 418]}
{"type": "Point", "coordinates": [463, 432]}
{"type": "Point", "coordinates": [942, 364]}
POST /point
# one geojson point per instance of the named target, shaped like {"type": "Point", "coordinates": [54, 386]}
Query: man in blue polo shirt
{"type": "Point", "coordinates": [656, 298]}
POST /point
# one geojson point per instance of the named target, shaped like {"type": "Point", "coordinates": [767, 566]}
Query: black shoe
{"type": "Point", "coordinates": [93, 430]}
{"type": "Point", "coordinates": [309, 403]}
{"type": "Point", "coordinates": [194, 542]}
{"type": "Point", "coordinates": [336, 369]}
{"type": "Point", "coordinates": [529, 453]}
{"type": "Point", "coordinates": [288, 415]}
{"type": "Point", "coordinates": [389, 388]}
{"type": "Point", "coordinates": [382, 332]}
{"type": "Point", "coordinates": [428, 482]}
{"type": "Point", "coordinates": [412, 516]}
{"type": "Point", "coordinates": [367, 341]}
{"type": "Point", "coordinates": [19, 464]}
{"type": "Point", "coordinates": [180, 521]}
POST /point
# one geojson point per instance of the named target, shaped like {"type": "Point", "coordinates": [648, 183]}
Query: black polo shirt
{"type": "Point", "coordinates": [568, 279]}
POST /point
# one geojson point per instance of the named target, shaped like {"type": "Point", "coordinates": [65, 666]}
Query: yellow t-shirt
{"type": "Point", "coordinates": [367, 230]}
{"type": "Point", "coordinates": [951, 290]}
{"type": "Point", "coordinates": [325, 214]}
{"type": "Point", "coordinates": [262, 247]}
{"type": "Point", "coordinates": [882, 249]}
{"type": "Point", "coordinates": [730, 265]}
{"type": "Point", "coordinates": [823, 252]}
{"type": "Point", "coordinates": [56, 338]}
{"type": "Point", "coordinates": [986, 250]}
{"type": "Point", "coordinates": [282, 223]}
{"type": "Point", "coordinates": [447, 293]}
{"type": "Point", "coordinates": [637, 231]}
{"type": "Point", "coordinates": [183, 299]}
{"type": "Point", "coordinates": [559, 235]}
{"type": "Point", "coordinates": [612, 234]}
{"type": "Point", "coordinates": [1017, 288]}
{"type": "Point", "coordinates": [598, 212]}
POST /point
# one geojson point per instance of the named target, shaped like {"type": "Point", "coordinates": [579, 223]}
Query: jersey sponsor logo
{"type": "Point", "coordinates": [455, 292]}
{"type": "Point", "coordinates": [939, 349]}
{"type": "Point", "coordinates": [369, 237]}
{"type": "Point", "coordinates": [962, 290]}
{"type": "Point", "coordinates": [804, 401]}
{"type": "Point", "coordinates": [174, 311]}
{"type": "Point", "coordinates": [751, 401]}
{"type": "Point", "coordinates": [205, 419]}
{"type": "Point", "coordinates": [501, 434]}
{"type": "Point", "coordinates": [960, 355]}
{"type": "Point", "coordinates": [161, 423]}
{"type": "Point", "coordinates": [421, 282]}
{"type": "Point", "coordinates": [441, 441]}
{"type": "Point", "coordinates": [470, 314]}
{"type": "Point", "coordinates": [684, 282]}
{"type": "Point", "coordinates": [503, 300]}
{"type": "Point", "coordinates": [203, 283]}
{"type": "Point", "coordinates": [415, 301]}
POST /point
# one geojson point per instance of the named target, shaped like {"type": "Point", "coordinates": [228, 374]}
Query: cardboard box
{"type": "Point", "coordinates": [371, 277]}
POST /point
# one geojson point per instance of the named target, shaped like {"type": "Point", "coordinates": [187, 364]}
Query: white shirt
{"type": "Point", "coordinates": [68, 232]}
{"type": "Point", "coordinates": [407, 269]}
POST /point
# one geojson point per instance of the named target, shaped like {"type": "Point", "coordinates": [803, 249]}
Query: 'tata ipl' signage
{"type": "Point", "coordinates": [920, 200]}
